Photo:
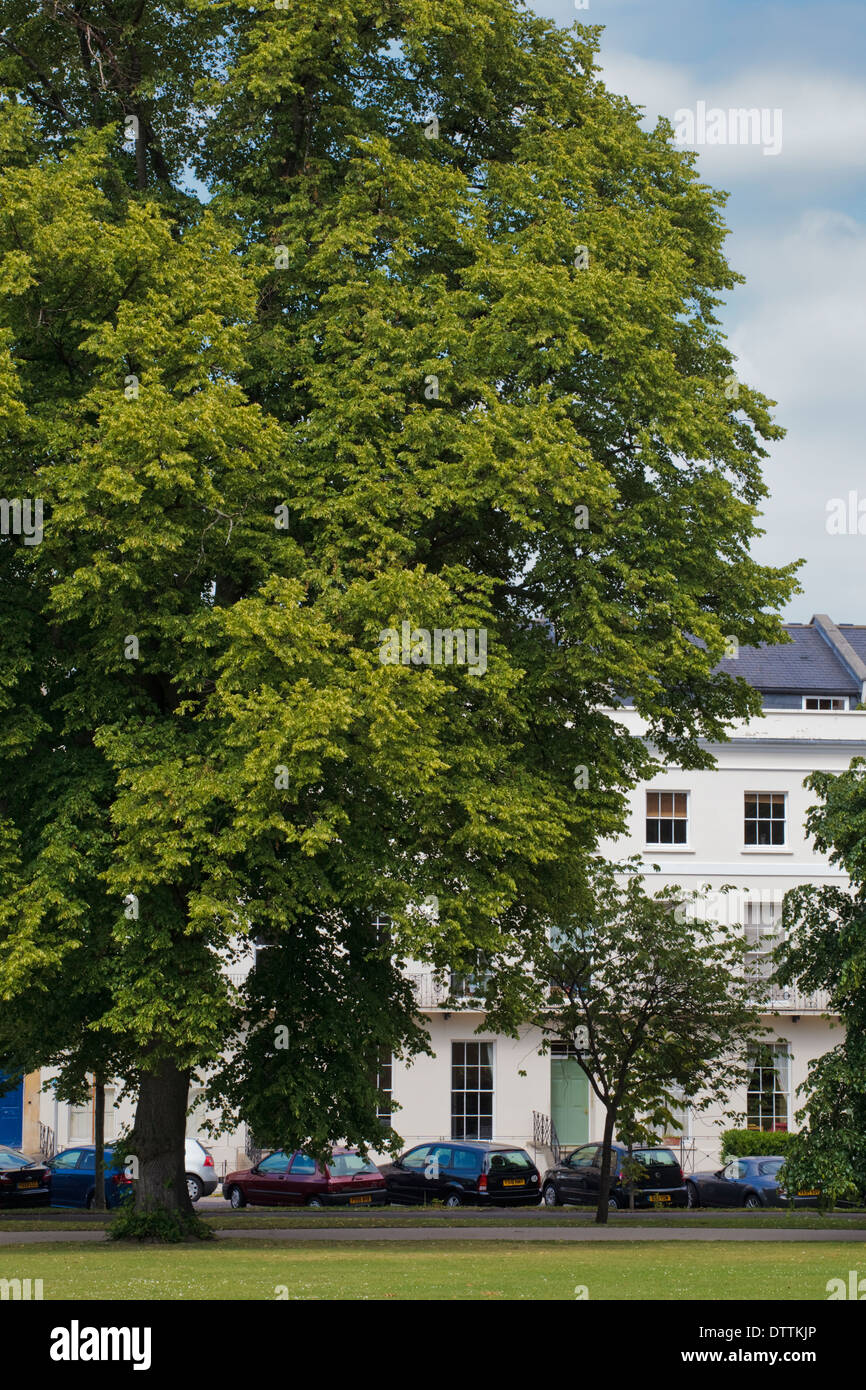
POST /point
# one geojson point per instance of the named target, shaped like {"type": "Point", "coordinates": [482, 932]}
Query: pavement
{"type": "Point", "coordinates": [425, 1234]}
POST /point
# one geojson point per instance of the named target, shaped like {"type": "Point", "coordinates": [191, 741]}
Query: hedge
{"type": "Point", "coordinates": [741, 1143]}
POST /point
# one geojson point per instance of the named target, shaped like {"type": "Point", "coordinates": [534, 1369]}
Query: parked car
{"type": "Point", "coordinates": [746, 1182]}
{"type": "Point", "coordinates": [296, 1179]}
{"type": "Point", "coordinates": [464, 1172]}
{"type": "Point", "coordinates": [24, 1182]}
{"type": "Point", "coordinates": [201, 1178]}
{"type": "Point", "coordinates": [577, 1178]}
{"type": "Point", "coordinates": [73, 1178]}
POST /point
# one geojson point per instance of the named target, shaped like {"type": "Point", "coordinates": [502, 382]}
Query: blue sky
{"type": "Point", "coordinates": [798, 233]}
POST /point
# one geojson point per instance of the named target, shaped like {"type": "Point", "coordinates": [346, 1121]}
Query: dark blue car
{"type": "Point", "coordinates": [746, 1182]}
{"type": "Point", "coordinates": [73, 1178]}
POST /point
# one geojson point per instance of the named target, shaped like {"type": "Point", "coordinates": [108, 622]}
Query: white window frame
{"type": "Point", "coordinates": [833, 703]}
{"type": "Point", "coordinates": [668, 846]}
{"type": "Point", "coordinates": [762, 930]}
{"type": "Point", "coordinates": [466, 1042]}
{"type": "Point", "coordinates": [757, 847]}
{"type": "Point", "coordinates": [780, 1048]}
{"type": "Point", "coordinates": [85, 1114]}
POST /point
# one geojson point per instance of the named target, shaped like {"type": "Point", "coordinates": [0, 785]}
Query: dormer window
{"type": "Point", "coordinates": [825, 702]}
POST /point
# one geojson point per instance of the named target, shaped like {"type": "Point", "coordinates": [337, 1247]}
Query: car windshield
{"type": "Point", "coordinates": [656, 1157]}
{"type": "Point", "coordinates": [512, 1160]}
{"type": "Point", "coordinates": [13, 1158]}
{"type": "Point", "coordinates": [347, 1165]}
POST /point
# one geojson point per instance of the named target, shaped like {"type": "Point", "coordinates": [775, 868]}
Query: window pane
{"type": "Point", "coordinates": [471, 1090]}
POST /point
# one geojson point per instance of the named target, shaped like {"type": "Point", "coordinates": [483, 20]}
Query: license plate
{"type": "Point", "coordinates": [660, 1197]}
{"type": "Point", "coordinates": [512, 1182]}
{"type": "Point", "coordinates": [358, 1201]}
{"type": "Point", "coordinates": [28, 1184]}
{"type": "Point", "coordinates": [809, 1192]}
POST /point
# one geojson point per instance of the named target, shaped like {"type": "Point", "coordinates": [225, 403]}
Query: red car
{"type": "Point", "coordinates": [296, 1179]}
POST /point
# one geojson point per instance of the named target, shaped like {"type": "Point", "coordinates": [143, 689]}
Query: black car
{"type": "Point", "coordinates": [463, 1171]}
{"type": "Point", "coordinates": [24, 1182]}
{"type": "Point", "coordinates": [747, 1182]}
{"type": "Point", "coordinates": [577, 1178]}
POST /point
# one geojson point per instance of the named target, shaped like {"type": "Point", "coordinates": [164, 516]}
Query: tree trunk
{"type": "Point", "coordinates": [99, 1142]}
{"type": "Point", "coordinates": [157, 1140]}
{"type": "Point", "coordinates": [604, 1186]}
{"type": "Point", "coordinates": [631, 1176]}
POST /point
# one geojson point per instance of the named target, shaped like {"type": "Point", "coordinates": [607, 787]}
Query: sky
{"type": "Point", "coordinates": [798, 234]}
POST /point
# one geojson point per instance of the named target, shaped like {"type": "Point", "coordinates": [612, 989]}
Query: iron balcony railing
{"type": "Point", "coordinates": [448, 991]}
{"type": "Point", "coordinates": [443, 992]}
{"type": "Point", "coordinates": [789, 1000]}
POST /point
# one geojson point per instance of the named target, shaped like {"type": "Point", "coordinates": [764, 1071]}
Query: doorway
{"type": "Point", "coordinates": [569, 1100]}
{"type": "Point", "coordinates": [11, 1112]}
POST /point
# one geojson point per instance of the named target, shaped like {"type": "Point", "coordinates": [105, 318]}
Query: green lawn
{"type": "Point", "coordinates": [278, 1218]}
{"type": "Point", "coordinates": [482, 1270]}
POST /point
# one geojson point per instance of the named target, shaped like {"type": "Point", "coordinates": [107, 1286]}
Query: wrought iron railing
{"type": "Point", "coordinates": [251, 1149]}
{"type": "Point", "coordinates": [787, 999]}
{"type": "Point", "coordinates": [47, 1146]}
{"type": "Point", "coordinates": [448, 990]}
{"type": "Point", "coordinates": [544, 1135]}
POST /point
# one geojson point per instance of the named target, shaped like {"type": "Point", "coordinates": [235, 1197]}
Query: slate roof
{"type": "Point", "coordinates": [807, 665]}
{"type": "Point", "coordinates": [856, 635]}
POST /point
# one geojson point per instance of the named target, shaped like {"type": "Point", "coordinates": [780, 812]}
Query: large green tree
{"type": "Point", "coordinates": [459, 373]}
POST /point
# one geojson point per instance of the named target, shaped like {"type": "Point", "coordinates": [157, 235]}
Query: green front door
{"type": "Point", "coordinates": [569, 1100]}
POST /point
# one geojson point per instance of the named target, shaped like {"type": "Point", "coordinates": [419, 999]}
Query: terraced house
{"type": "Point", "coordinates": [741, 823]}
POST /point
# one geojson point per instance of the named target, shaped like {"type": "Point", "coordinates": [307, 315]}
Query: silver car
{"type": "Point", "coordinates": [201, 1176]}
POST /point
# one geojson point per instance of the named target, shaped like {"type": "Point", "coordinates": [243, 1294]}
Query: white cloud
{"type": "Point", "coordinates": [823, 115]}
{"type": "Point", "coordinates": [800, 336]}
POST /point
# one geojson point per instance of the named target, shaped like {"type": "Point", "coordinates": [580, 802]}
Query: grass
{"type": "Point", "coordinates": [480, 1271]}
{"type": "Point", "coordinates": [295, 1220]}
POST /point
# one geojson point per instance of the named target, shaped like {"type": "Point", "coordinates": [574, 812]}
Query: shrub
{"type": "Point", "coordinates": [166, 1227]}
{"type": "Point", "coordinates": [741, 1143]}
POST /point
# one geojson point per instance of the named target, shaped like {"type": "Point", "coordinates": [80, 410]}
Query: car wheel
{"type": "Point", "coordinates": [752, 1201]}
{"type": "Point", "coordinates": [91, 1197]}
{"type": "Point", "coordinates": [314, 1201]}
{"type": "Point", "coordinates": [550, 1196]}
{"type": "Point", "coordinates": [194, 1187]}
{"type": "Point", "coordinates": [236, 1198]}
{"type": "Point", "coordinates": [692, 1198]}
{"type": "Point", "coordinates": [613, 1203]}
{"type": "Point", "coordinates": [453, 1200]}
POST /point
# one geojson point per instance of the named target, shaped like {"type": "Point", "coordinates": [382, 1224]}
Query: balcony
{"type": "Point", "coordinates": [785, 999]}
{"type": "Point", "coordinates": [448, 992]}
{"type": "Point", "coordinates": [462, 992]}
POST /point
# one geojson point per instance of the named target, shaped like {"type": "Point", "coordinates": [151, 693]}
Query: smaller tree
{"type": "Point", "coordinates": [661, 998]}
{"type": "Point", "coordinates": [824, 948]}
